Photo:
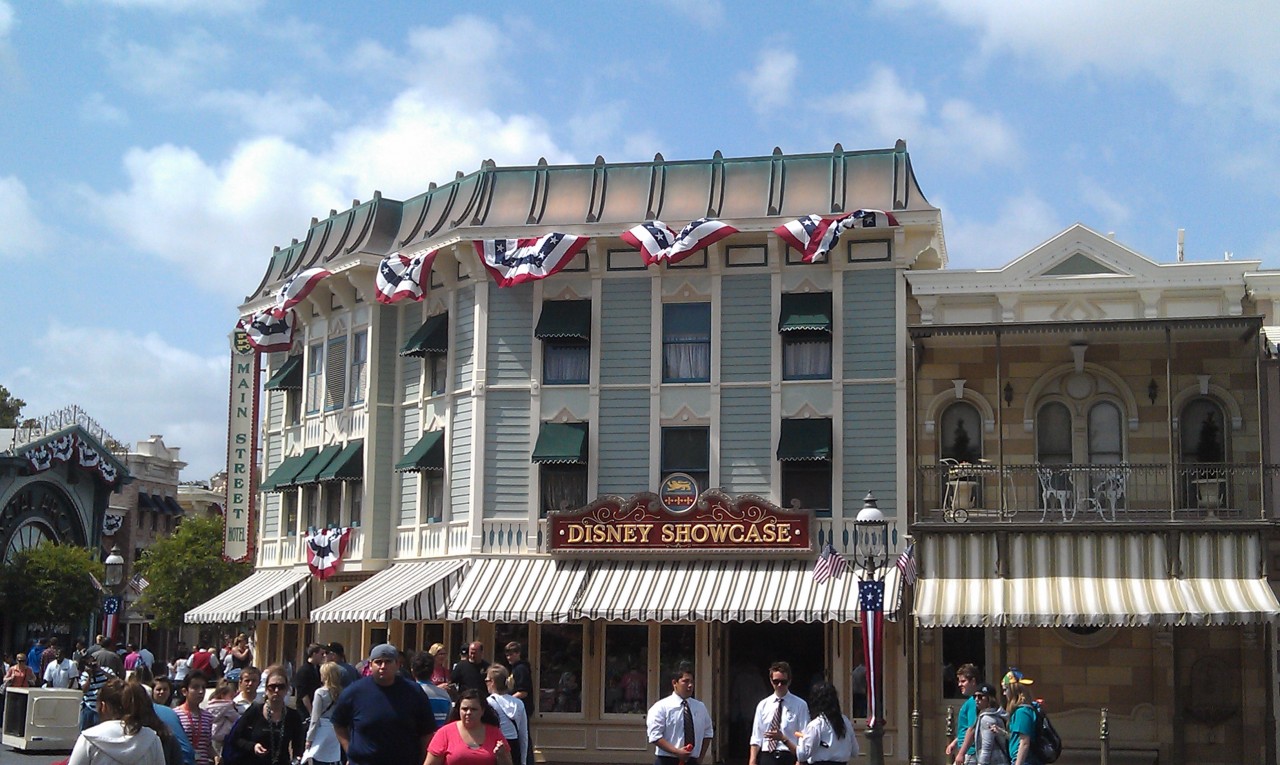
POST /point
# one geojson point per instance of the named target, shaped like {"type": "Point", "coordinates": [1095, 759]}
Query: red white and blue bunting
{"type": "Point", "coordinates": [815, 235]}
{"type": "Point", "coordinates": [515, 261]}
{"type": "Point", "coordinates": [71, 448]}
{"type": "Point", "coordinates": [296, 288]}
{"type": "Point", "coordinates": [325, 550]}
{"type": "Point", "coordinates": [269, 333]}
{"type": "Point", "coordinates": [658, 243]}
{"type": "Point", "coordinates": [401, 278]}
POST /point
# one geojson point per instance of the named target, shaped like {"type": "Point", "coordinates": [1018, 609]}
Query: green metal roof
{"type": "Point", "coordinates": [802, 311]}
{"type": "Point", "coordinates": [562, 443]}
{"type": "Point", "coordinates": [564, 318]}
{"type": "Point", "coordinates": [288, 376]}
{"type": "Point", "coordinates": [431, 337]}
{"type": "Point", "coordinates": [311, 473]}
{"type": "Point", "coordinates": [427, 454]}
{"type": "Point", "coordinates": [282, 477]}
{"type": "Point", "coordinates": [805, 440]}
{"type": "Point", "coordinates": [348, 465]}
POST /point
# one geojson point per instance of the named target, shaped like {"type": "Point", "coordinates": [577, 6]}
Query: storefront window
{"type": "Point", "coordinates": [505, 633]}
{"type": "Point", "coordinates": [676, 646]}
{"type": "Point", "coordinates": [560, 668]}
{"type": "Point", "coordinates": [626, 684]}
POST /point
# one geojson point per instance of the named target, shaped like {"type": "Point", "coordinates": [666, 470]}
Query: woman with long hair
{"type": "Point", "coordinates": [1021, 715]}
{"type": "Point", "coordinates": [440, 665]}
{"type": "Point", "coordinates": [197, 722]}
{"type": "Point", "coordinates": [472, 736]}
{"type": "Point", "coordinates": [121, 736]}
{"type": "Point", "coordinates": [271, 733]}
{"type": "Point", "coordinates": [512, 719]}
{"type": "Point", "coordinates": [322, 742]}
{"type": "Point", "coordinates": [174, 753]}
{"type": "Point", "coordinates": [829, 736]}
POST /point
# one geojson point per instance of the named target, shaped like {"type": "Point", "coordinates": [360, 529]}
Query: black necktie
{"type": "Point", "coordinates": [776, 725]}
{"type": "Point", "coordinates": [688, 722]}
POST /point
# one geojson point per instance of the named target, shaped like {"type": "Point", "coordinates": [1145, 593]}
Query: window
{"type": "Point", "coordinates": [332, 504]}
{"type": "Point", "coordinates": [564, 487]}
{"type": "Point", "coordinates": [310, 506]}
{"type": "Point", "coordinates": [686, 342]}
{"type": "Point", "coordinates": [562, 452]}
{"type": "Point", "coordinates": [359, 365]}
{"type": "Point", "coordinates": [961, 434]}
{"type": "Point", "coordinates": [335, 374]}
{"type": "Point", "coordinates": [289, 518]}
{"type": "Point", "coordinates": [687, 450]}
{"type": "Point", "coordinates": [676, 643]}
{"type": "Point", "coordinates": [1106, 435]}
{"type": "Point", "coordinates": [810, 484]}
{"type": "Point", "coordinates": [1053, 435]}
{"type": "Point", "coordinates": [805, 325]}
{"type": "Point", "coordinates": [356, 490]}
{"type": "Point", "coordinates": [560, 668]}
{"type": "Point", "coordinates": [433, 497]}
{"type": "Point", "coordinates": [315, 376]}
{"type": "Point", "coordinates": [437, 369]}
{"type": "Point", "coordinates": [960, 646]}
{"type": "Point", "coordinates": [626, 659]}
{"type": "Point", "coordinates": [293, 406]}
{"type": "Point", "coordinates": [804, 453]}
{"type": "Point", "coordinates": [565, 330]}
{"type": "Point", "coordinates": [1201, 435]}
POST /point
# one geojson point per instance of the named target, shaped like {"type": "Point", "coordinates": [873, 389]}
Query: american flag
{"type": "Point", "coordinates": [830, 565]}
{"type": "Point", "coordinates": [907, 564]}
{"type": "Point", "coordinates": [515, 261]}
{"type": "Point", "coordinates": [657, 242]}
{"type": "Point", "coordinates": [268, 333]}
{"type": "Point", "coordinates": [815, 235]}
{"type": "Point", "coordinates": [871, 601]}
{"type": "Point", "coordinates": [296, 289]}
{"type": "Point", "coordinates": [400, 277]}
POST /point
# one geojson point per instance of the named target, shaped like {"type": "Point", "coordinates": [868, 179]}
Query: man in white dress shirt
{"type": "Point", "coordinates": [679, 725]}
{"type": "Point", "coordinates": [60, 672]}
{"type": "Point", "coordinates": [778, 718]}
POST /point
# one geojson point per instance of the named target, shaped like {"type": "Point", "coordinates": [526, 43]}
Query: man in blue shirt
{"type": "Point", "coordinates": [964, 747]}
{"type": "Point", "coordinates": [384, 719]}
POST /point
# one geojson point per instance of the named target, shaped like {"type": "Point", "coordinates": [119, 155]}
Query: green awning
{"type": "Point", "coordinates": [805, 440]}
{"type": "Point", "coordinates": [564, 318]}
{"type": "Point", "coordinates": [311, 473]}
{"type": "Point", "coordinates": [805, 311]}
{"type": "Point", "coordinates": [562, 443]}
{"type": "Point", "coordinates": [348, 465]}
{"type": "Point", "coordinates": [427, 454]}
{"type": "Point", "coordinates": [431, 337]}
{"type": "Point", "coordinates": [282, 477]}
{"type": "Point", "coordinates": [288, 376]}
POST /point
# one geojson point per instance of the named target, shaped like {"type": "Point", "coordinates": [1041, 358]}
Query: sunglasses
{"type": "Point", "coordinates": [276, 686]}
{"type": "Point", "coordinates": [780, 681]}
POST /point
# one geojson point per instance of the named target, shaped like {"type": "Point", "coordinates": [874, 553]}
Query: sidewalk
{"type": "Point", "coordinates": [11, 756]}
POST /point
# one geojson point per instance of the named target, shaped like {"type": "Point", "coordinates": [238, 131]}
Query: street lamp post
{"type": "Point", "coordinates": [871, 560]}
{"type": "Point", "coordinates": [113, 578]}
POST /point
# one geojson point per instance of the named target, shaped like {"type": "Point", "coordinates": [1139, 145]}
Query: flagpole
{"type": "Point", "coordinates": [871, 558]}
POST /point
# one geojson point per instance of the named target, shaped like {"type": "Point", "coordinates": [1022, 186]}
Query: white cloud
{"type": "Point", "coordinates": [6, 19]}
{"type": "Point", "coordinates": [173, 72]}
{"type": "Point", "coordinates": [1020, 224]}
{"type": "Point", "coordinates": [23, 232]}
{"type": "Point", "coordinates": [705, 13]}
{"type": "Point", "coordinates": [954, 131]}
{"type": "Point", "coordinates": [462, 61]}
{"type": "Point", "coordinates": [1113, 211]}
{"type": "Point", "coordinates": [770, 84]}
{"type": "Point", "coordinates": [97, 110]}
{"type": "Point", "coordinates": [181, 395]}
{"type": "Point", "coordinates": [271, 112]}
{"type": "Point", "coordinates": [1206, 56]}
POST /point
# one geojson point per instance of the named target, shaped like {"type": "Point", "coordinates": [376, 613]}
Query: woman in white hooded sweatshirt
{"type": "Point", "coordinates": [120, 737]}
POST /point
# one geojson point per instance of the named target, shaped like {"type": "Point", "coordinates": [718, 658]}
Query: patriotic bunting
{"type": "Point", "coordinates": [111, 607]}
{"type": "Point", "coordinates": [871, 602]}
{"type": "Point", "coordinates": [268, 333]}
{"type": "Point", "coordinates": [657, 242]}
{"type": "Point", "coordinates": [815, 235]}
{"type": "Point", "coordinates": [325, 550]}
{"type": "Point", "coordinates": [515, 261]}
{"type": "Point", "coordinates": [70, 448]}
{"type": "Point", "coordinates": [400, 277]}
{"type": "Point", "coordinates": [296, 288]}
{"type": "Point", "coordinates": [830, 565]}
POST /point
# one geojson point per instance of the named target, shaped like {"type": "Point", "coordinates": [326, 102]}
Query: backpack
{"type": "Point", "coordinates": [1046, 744]}
{"type": "Point", "coordinates": [232, 754]}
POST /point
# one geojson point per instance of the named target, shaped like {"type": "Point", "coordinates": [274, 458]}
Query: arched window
{"type": "Point", "coordinates": [961, 436]}
{"type": "Point", "coordinates": [1106, 439]}
{"type": "Point", "coordinates": [1053, 434]}
{"type": "Point", "coordinates": [1202, 435]}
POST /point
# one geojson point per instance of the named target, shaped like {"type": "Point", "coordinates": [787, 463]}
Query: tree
{"type": "Point", "coordinates": [186, 569]}
{"type": "Point", "coordinates": [10, 408]}
{"type": "Point", "coordinates": [50, 585]}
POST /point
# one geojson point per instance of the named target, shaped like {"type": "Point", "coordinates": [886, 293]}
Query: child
{"type": "Point", "coordinates": [221, 706]}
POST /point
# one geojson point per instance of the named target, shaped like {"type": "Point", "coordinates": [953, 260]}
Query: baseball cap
{"type": "Point", "coordinates": [384, 651]}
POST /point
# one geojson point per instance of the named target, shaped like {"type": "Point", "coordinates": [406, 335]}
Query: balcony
{"type": "Point", "coordinates": [952, 493]}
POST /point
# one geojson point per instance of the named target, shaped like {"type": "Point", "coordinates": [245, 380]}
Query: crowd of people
{"type": "Point", "coordinates": [994, 727]}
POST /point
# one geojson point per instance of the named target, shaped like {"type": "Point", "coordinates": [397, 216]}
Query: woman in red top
{"type": "Point", "coordinates": [472, 736]}
{"type": "Point", "coordinates": [19, 674]}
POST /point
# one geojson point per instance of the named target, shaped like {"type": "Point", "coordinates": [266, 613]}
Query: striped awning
{"type": "Point", "coordinates": [405, 592]}
{"type": "Point", "coordinates": [519, 590]}
{"type": "Point", "coordinates": [1093, 580]}
{"type": "Point", "coordinates": [724, 591]}
{"type": "Point", "coordinates": [276, 594]}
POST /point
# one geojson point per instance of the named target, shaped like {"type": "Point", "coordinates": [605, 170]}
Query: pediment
{"type": "Point", "coordinates": [1081, 253]}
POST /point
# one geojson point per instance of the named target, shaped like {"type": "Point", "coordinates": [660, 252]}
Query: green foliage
{"type": "Point", "coordinates": [186, 569]}
{"type": "Point", "coordinates": [49, 585]}
{"type": "Point", "coordinates": [10, 408]}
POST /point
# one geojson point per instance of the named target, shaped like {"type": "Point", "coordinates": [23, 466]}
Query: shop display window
{"type": "Point", "coordinates": [560, 668]}
{"type": "Point", "coordinates": [676, 644]}
{"type": "Point", "coordinates": [626, 664]}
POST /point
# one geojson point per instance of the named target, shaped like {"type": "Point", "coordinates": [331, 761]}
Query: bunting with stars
{"type": "Point", "coordinates": [816, 235]}
{"type": "Point", "coordinates": [325, 550]}
{"type": "Point", "coordinates": [516, 261]}
{"type": "Point", "coordinates": [658, 243]}
{"type": "Point", "coordinates": [871, 603]}
{"type": "Point", "coordinates": [400, 278]}
{"type": "Point", "coordinates": [296, 288]}
{"type": "Point", "coordinates": [267, 332]}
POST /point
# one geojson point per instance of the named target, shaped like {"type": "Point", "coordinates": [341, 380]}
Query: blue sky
{"type": "Point", "coordinates": [156, 150]}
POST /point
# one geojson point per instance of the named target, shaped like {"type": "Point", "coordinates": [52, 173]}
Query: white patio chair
{"type": "Point", "coordinates": [1056, 489]}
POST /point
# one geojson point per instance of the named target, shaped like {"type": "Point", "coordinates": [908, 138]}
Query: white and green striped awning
{"type": "Point", "coordinates": [1121, 579]}
{"type": "Point", "coordinates": [409, 592]}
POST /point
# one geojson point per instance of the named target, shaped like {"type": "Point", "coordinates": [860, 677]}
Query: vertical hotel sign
{"type": "Point", "coordinates": [242, 450]}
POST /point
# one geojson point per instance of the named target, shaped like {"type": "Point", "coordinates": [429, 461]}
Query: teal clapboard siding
{"type": "Point", "coordinates": [624, 442]}
{"type": "Point", "coordinates": [386, 339]}
{"type": "Point", "coordinates": [272, 456]}
{"type": "Point", "coordinates": [746, 453]}
{"type": "Point", "coordinates": [511, 319]}
{"type": "Point", "coordinates": [624, 330]}
{"type": "Point", "coordinates": [462, 340]}
{"type": "Point", "coordinates": [746, 327]}
{"type": "Point", "coordinates": [408, 481]}
{"type": "Point", "coordinates": [870, 446]}
{"type": "Point", "coordinates": [870, 323]}
{"type": "Point", "coordinates": [275, 408]}
{"type": "Point", "coordinates": [411, 366]}
{"type": "Point", "coordinates": [376, 514]}
{"type": "Point", "coordinates": [506, 454]}
{"type": "Point", "coordinates": [459, 467]}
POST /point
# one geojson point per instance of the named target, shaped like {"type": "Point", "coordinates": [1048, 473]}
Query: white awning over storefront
{"type": "Point", "coordinates": [405, 592]}
{"type": "Point", "coordinates": [275, 594]}
{"type": "Point", "coordinates": [519, 590]}
{"type": "Point", "coordinates": [724, 591]}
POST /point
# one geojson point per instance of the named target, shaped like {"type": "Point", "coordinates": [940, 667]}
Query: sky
{"type": "Point", "coordinates": [154, 151]}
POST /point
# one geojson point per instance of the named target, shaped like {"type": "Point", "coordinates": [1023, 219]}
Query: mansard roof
{"type": "Point", "coordinates": [604, 199]}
